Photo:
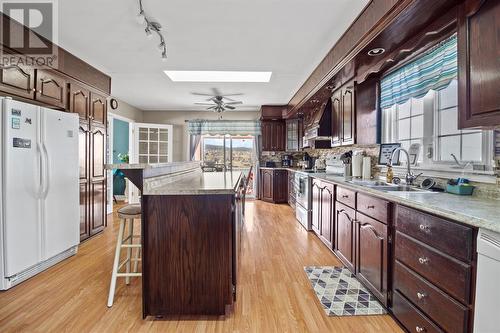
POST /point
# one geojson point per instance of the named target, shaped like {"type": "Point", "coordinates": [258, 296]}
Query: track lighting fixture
{"type": "Point", "coordinates": [150, 27]}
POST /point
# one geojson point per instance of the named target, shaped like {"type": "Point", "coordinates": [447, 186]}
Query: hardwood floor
{"type": "Point", "coordinates": [274, 294]}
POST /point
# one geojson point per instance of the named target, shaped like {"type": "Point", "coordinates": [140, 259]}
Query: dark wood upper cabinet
{"type": "Point", "coordinates": [293, 135]}
{"type": "Point", "coordinates": [17, 80]}
{"type": "Point", "coordinates": [479, 72]}
{"type": "Point", "coordinates": [372, 255]}
{"type": "Point", "coordinates": [343, 116]}
{"type": "Point", "coordinates": [273, 135]}
{"type": "Point", "coordinates": [51, 88]}
{"type": "Point", "coordinates": [272, 112]}
{"type": "Point", "coordinates": [79, 100]}
{"type": "Point", "coordinates": [337, 118]}
{"type": "Point", "coordinates": [348, 115]}
{"type": "Point", "coordinates": [98, 108]}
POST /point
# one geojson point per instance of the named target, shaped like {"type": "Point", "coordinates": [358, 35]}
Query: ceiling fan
{"type": "Point", "coordinates": [218, 101]}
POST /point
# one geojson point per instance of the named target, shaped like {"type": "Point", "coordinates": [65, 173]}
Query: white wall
{"type": "Point", "coordinates": [178, 120]}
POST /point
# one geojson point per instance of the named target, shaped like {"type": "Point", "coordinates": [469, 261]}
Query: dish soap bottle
{"type": "Point", "coordinates": [390, 174]}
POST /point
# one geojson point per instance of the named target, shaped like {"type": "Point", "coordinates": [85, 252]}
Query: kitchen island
{"type": "Point", "coordinates": [191, 224]}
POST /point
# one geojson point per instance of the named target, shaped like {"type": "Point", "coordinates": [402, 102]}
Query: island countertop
{"type": "Point", "coordinates": [195, 183]}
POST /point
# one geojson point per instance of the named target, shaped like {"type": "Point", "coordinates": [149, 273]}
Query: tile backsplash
{"type": "Point", "coordinates": [485, 190]}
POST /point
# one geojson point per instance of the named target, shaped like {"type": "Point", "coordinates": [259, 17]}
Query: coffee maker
{"type": "Point", "coordinates": [308, 162]}
{"type": "Point", "coordinates": [287, 161]}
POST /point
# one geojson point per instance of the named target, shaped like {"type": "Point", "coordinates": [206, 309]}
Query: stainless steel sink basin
{"type": "Point", "coordinates": [383, 186]}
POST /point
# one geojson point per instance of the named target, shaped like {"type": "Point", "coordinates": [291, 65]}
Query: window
{"type": "Point", "coordinates": [432, 122]}
{"type": "Point", "coordinates": [154, 143]}
{"type": "Point", "coordinates": [228, 152]}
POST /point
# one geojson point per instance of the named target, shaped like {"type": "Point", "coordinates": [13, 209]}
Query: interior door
{"type": "Point", "coordinates": [153, 143]}
{"type": "Point", "coordinates": [22, 182]}
{"type": "Point", "coordinates": [60, 209]}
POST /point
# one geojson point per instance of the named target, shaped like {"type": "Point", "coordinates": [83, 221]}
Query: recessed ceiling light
{"type": "Point", "coordinates": [376, 51]}
{"type": "Point", "coordinates": [218, 76]}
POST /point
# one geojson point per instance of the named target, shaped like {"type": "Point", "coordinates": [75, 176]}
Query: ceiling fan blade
{"type": "Point", "coordinates": [229, 107]}
{"type": "Point", "coordinates": [200, 94]}
{"type": "Point", "coordinates": [235, 102]}
{"type": "Point", "coordinates": [198, 103]}
{"type": "Point", "coordinates": [212, 108]}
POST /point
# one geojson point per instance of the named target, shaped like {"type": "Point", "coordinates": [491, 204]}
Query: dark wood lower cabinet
{"type": "Point", "coordinates": [372, 255]}
{"type": "Point", "coordinates": [84, 211]}
{"type": "Point", "coordinates": [323, 204]}
{"type": "Point", "coordinates": [274, 185]}
{"type": "Point", "coordinates": [410, 317]}
{"type": "Point", "coordinates": [345, 218]}
{"type": "Point", "coordinates": [97, 206]}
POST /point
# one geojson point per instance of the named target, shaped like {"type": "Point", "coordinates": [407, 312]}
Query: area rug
{"type": "Point", "coordinates": [340, 293]}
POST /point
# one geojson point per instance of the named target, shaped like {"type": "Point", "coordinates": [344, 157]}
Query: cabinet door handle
{"type": "Point", "coordinates": [420, 329]}
{"type": "Point", "coordinates": [345, 196]}
{"type": "Point", "coordinates": [420, 295]}
{"type": "Point", "coordinates": [370, 207]}
{"type": "Point", "coordinates": [423, 260]}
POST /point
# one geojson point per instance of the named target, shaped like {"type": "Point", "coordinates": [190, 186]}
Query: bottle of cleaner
{"type": "Point", "coordinates": [390, 174]}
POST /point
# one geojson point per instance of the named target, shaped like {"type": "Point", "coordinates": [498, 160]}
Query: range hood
{"type": "Point", "coordinates": [318, 127]}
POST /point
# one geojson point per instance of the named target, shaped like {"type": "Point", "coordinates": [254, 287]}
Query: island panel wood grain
{"type": "Point", "coordinates": [187, 249]}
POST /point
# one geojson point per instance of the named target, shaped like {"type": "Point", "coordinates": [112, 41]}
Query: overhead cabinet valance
{"type": "Point", "coordinates": [224, 127]}
{"type": "Point", "coordinates": [434, 70]}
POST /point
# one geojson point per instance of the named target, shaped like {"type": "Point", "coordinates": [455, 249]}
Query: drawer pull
{"type": "Point", "coordinates": [424, 228]}
{"type": "Point", "coordinates": [345, 196]}
{"type": "Point", "coordinates": [420, 329]}
{"type": "Point", "coordinates": [421, 295]}
{"type": "Point", "coordinates": [370, 207]}
{"type": "Point", "coordinates": [423, 260]}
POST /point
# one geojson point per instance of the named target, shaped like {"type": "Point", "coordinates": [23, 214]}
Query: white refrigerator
{"type": "Point", "coordinates": [39, 197]}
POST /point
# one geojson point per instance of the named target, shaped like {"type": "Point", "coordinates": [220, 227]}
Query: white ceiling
{"type": "Point", "coordinates": [287, 37]}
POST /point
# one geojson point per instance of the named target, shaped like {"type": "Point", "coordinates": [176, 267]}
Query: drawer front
{"type": "Point", "coordinates": [376, 208]}
{"type": "Point", "coordinates": [451, 238]}
{"type": "Point", "coordinates": [347, 197]}
{"type": "Point", "coordinates": [448, 313]}
{"type": "Point", "coordinates": [445, 272]}
{"type": "Point", "coordinates": [411, 318]}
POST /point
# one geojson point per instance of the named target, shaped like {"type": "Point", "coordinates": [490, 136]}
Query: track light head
{"type": "Point", "coordinates": [164, 56]}
{"type": "Point", "coordinates": [148, 32]}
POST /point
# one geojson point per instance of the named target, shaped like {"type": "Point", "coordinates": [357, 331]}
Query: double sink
{"type": "Point", "coordinates": [386, 187]}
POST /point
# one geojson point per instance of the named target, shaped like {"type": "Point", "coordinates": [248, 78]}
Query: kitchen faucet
{"type": "Point", "coordinates": [410, 177]}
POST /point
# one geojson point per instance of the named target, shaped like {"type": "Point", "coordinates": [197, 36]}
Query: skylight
{"type": "Point", "coordinates": [218, 76]}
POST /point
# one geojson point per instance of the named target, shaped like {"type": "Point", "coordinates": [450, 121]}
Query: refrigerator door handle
{"type": "Point", "coordinates": [46, 174]}
{"type": "Point", "coordinates": [39, 173]}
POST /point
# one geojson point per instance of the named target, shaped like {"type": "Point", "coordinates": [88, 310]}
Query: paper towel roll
{"type": "Point", "coordinates": [357, 164]}
{"type": "Point", "coordinates": [367, 167]}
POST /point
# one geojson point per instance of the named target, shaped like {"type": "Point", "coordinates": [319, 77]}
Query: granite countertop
{"type": "Point", "coordinates": [142, 166]}
{"type": "Point", "coordinates": [477, 212]}
{"type": "Point", "coordinates": [196, 183]}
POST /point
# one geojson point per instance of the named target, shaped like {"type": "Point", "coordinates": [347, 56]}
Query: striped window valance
{"type": "Point", "coordinates": [224, 127]}
{"type": "Point", "coordinates": [434, 70]}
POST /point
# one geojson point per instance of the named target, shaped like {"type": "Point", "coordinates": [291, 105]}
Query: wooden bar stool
{"type": "Point", "coordinates": [127, 214]}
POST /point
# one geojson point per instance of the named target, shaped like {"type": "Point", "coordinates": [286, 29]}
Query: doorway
{"type": "Point", "coordinates": [120, 148]}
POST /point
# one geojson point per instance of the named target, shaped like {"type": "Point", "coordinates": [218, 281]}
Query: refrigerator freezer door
{"type": "Point", "coordinates": [61, 202]}
{"type": "Point", "coordinates": [21, 186]}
